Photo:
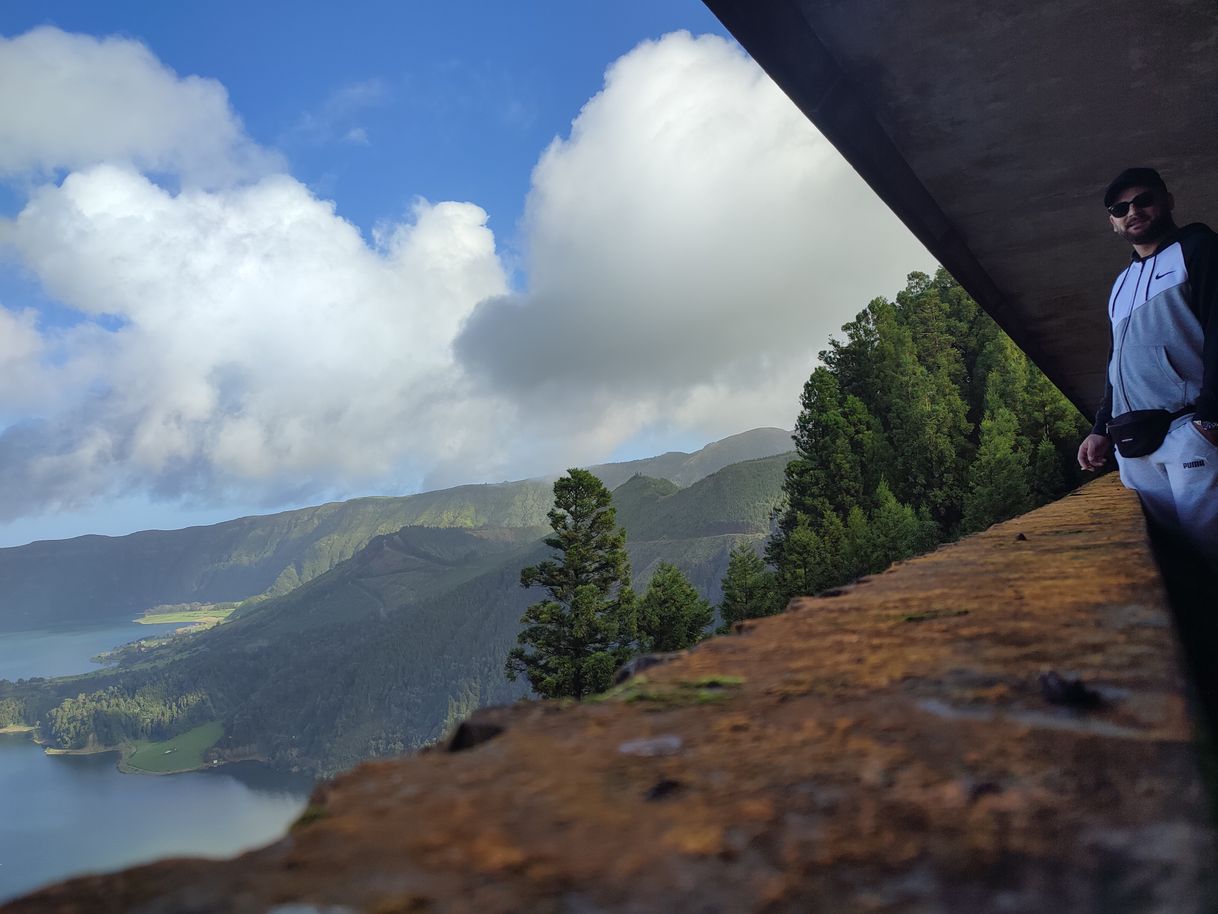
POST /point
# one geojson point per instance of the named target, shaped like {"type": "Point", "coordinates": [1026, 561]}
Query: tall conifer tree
{"type": "Point", "coordinates": [574, 640]}
{"type": "Point", "coordinates": [672, 616]}
{"type": "Point", "coordinates": [998, 478]}
{"type": "Point", "coordinates": [748, 588]}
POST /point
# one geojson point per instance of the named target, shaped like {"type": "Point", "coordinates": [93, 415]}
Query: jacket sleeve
{"type": "Point", "coordinates": [1203, 276]}
{"type": "Point", "coordinates": [1104, 414]}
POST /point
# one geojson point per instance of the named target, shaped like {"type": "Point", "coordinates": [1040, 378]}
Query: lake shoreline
{"type": "Point", "coordinates": [183, 753]}
{"type": "Point", "coordinates": [67, 652]}
{"type": "Point", "coordinates": [125, 751]}
{"type": "Point", "coordinates": [224, 810]}
{"type": "Point", "coordinates": [210, 810]}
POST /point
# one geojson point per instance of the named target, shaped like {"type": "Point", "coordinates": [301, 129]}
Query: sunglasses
{"type": "Point", "coordinates": [1141, 201]}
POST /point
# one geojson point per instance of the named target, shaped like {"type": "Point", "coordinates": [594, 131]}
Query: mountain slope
{"type": "Point", "coordinates": [390, 647]}
{"type": "Point", "coordinates": [737, 499]}
{"type": "Point", "coordinates": [92, 578]}
{"type": "Point", "coordinates": [98, 578]}
{"type": "Point", "coordinates": [685, 469]}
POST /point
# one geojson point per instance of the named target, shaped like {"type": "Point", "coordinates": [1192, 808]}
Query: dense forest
{"type": "Point", "coordinates": [921, 423]}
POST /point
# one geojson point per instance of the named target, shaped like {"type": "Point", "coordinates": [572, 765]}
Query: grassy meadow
{"type": "Point", "coordinates": [199, 612]}
{"type": "Point", "coordinates": [182, 753]}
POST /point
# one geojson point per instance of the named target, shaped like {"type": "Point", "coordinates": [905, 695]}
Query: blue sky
{"type": "Point", "coordinates": [456, 98]}
{"type": "Point", "coordinates": [264, 255]}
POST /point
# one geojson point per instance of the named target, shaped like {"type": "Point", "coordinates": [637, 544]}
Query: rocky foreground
{"type": "Point", "coordinates": [998, 726]}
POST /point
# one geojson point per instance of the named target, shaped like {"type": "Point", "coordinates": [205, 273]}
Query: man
{"type": "Point", "coordinates": [1164, 356]}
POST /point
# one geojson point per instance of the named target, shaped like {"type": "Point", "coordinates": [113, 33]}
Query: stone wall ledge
{"type": "Point", "coordinates": [998, 726]}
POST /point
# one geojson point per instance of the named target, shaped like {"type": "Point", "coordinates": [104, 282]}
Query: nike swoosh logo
{"type": "Point", "coordinates": [1168, 273]}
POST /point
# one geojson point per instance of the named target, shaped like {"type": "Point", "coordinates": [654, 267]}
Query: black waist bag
{"type": "Point", "coordinates": [1142, 431]}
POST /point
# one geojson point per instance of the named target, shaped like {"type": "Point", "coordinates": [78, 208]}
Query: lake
{"type": "Point", "coordinates": [66, 815]}
{"type": "Point", "coordinates": [68, 650]}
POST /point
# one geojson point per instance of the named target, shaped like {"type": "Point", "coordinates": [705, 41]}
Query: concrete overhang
{"type": "Point", "coordinates": [992, 129]}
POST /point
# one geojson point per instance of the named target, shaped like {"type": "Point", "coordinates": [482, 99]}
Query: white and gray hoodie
{"type": "Point", "coordinates": [1164, 311]}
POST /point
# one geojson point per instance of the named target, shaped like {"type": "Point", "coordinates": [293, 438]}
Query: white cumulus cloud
{"type": "Point", "coordinates": [21, 350]}
{"type": "Point", "coordinates": [68, 101]}
{"type": "Point", "coordinates": [261, 342]}
{"type": "Point", "coordinates": [690, 246]}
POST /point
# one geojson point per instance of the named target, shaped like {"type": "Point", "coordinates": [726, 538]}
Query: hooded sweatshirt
{"type": "Point", "coordinates": [1164, 312]}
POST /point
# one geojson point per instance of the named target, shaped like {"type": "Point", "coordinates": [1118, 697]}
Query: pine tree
{"type": "Point", "coordinates": [748, 588]}
{"type": "Point", "coordinates": [897, 531]}
{"type": "Point", "coordinates": [801, 568]}
{"type": "Point", "coordinates": [903, 363]}
{"type": "Point", "coordinates": [998, 478]}
{"type": "Point", "coordinates": [840, 453]}
{"type": "Point", "coordinates": [1003, 371]}
{"type": "Point", "coordinates": [825, 471]}
{"type": "Point", "coordinates": [859, 557]}
{"type": "Point", "coordinates": [927, 422]}
{"type": "Point", "coordinates": [1045, 477]}
{"type": "Point", "coordinates": [672, 616]}
{"type": "Point", "coordinates": [813, 557]}
{"type": "Point", "coordinates": [573, 641]}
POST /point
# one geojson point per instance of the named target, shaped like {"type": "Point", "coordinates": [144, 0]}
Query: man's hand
{"type": "Point", "coordinates": [1093, 452]}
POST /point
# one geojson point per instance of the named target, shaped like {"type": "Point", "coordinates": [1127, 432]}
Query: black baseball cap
{"type": "Point", "coordinates": [1133, 177]}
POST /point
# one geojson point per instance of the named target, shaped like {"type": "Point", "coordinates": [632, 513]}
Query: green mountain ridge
{"type": "Point", "coordinates": [686, 469]}
{"type": "Point", "coordinates": [96, 578]}
{"type": "Point", "coordinates": [388, 649]}
{"type": "Point", "coordinates": [736, 499]}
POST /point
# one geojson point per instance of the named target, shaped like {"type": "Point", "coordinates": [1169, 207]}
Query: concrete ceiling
{"type": "Point", "coordinates": [992, 129]}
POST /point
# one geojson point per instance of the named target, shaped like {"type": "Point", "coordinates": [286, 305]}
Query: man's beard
{"type": "Point", "coordinates": [1150, 231]}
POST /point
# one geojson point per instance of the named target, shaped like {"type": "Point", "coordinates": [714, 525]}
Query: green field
{"type": "Point", "coordinates": [182, 753]}
{"type": "Point", "coordinates": [213, 615]}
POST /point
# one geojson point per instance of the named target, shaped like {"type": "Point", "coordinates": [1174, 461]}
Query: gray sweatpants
{"type": "Point", "coordinates": [1178, 485]}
